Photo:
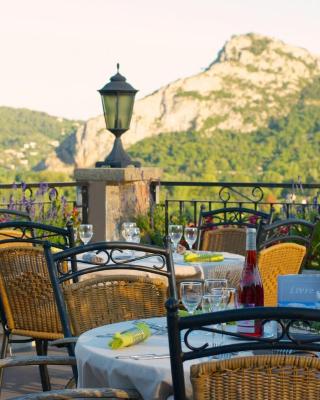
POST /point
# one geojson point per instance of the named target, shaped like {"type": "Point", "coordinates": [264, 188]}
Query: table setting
{"type": "Point", "coordinates": [135, 354]}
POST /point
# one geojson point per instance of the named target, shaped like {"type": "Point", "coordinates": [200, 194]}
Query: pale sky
{"type": "Point", "coordinates": [55, 54]}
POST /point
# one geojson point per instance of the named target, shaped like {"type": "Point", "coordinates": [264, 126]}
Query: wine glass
{"type": "Point", "coordinates": [231, 298]}
{"type": "Point", "coordinates": [190, 234]}
{"type": "Point", "coordinates": [191, 295]}
{"type": "Point", "coordinates": [85, 233]}
{"type": "Point", "coordinates": [135, 234]}
{"type": "Point", "coordinates": [175, 233]}
{"type": "Point", "coordinates": [211, 284]}
{"type": "Point", "coordinates": [126, 228]}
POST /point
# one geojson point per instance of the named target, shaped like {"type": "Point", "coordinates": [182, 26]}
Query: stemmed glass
{"type": "Point", "coordinates": [211, 284]}
{"type": "Point", "coordinates": [190, 234]}
{"type": "Point", "coordinates": [175, 233]}
{"type": "Point", "coordinates": [126, 229]}
{"type": "Point", "coordinates": [85, 233]}
{"type": "Point", "coordinates": [191, 295]}
{"type": "Point", "coordinates": [135, 234]}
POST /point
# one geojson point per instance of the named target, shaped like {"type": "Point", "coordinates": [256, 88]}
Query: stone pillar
{"type": "Point", "coordinates": [116, 195]}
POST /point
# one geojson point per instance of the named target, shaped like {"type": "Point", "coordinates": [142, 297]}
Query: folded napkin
{"type": "Point", "coordinates": [140, 332]}
{"type": "Point", "coordinates": [205, 257]}
{"type": "Point", "coordinates": [92, 257]}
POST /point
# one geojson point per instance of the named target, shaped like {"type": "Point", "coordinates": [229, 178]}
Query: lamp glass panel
{"type": "Point", "coordinates": [125, 110]}
{"type": "Point", "coordinates": [124, 102]}
{"type": "Point", "coordinates": [109, 103]}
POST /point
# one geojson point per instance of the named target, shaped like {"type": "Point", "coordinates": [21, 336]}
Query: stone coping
{"type": "Point", "coordinates": [116, 175]}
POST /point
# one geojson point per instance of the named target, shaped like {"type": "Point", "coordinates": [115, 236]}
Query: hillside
{"type": "Point", "coordinates": [27, 137]}
{"type": "Point", "coordinates": [252, 115]}
{"type": "Point", "coordinates": [252, 80]}
{"type": "Point", "coordinates": [287, 148]}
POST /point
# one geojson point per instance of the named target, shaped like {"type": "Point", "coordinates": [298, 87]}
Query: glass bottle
{"type": "Point", "coordinates": [250, 293]}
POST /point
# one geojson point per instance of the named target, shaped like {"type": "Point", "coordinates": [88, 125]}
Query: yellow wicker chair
{"type": "Point", "coordinates": [280, 259]}
{"type": "Point", "coordinates": [27, 300]}
{"type": "Point", "coordinates": [232, 240]}
{"type": "Point", "coordinates": [109, 299]}
{"type": "Point", "coordinates": [265, 377]}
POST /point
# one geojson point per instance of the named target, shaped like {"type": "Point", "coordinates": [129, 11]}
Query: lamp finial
{"type": "Point", "coordinates": [118, 66]}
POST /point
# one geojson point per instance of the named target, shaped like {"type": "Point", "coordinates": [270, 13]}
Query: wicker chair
{"type": "Point", "coordinates": [65, 394]}
{"type": "Point", "coordinates": [26, 234]}
{"type": "Point", "coordinates": [27, 300]}
{"type": "Point", "coordinates": [228, 217]}
{"type": "Point", "coordinates": [106, 300]}
{"type": "Point", "coordinates": [270, 376]}
{"type": "Point", "coordinates": [232, 240]}
{"type": "Point", "coordinates": [94, 302]}
{"type": "Point", "coordinates": [291, 230]}
{"type": "Point", "coordinates": [260, 377]}
{"type": "Point", "coordinates": [280, 259]}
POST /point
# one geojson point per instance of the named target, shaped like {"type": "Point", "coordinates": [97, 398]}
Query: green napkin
{"type": "Point", "coordinates": [205, 257]}
{"type": "Point", "coordinates": [185, 313]}
{"type": "Point", "coordinates": [140, 332]}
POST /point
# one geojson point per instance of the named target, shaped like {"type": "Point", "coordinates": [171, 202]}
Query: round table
{"type": "Point", "coordinates": [230, 268]}
{"type": "Point", "coordinates": [98, 365]}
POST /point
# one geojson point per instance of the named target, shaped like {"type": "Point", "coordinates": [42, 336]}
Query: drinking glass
{"type": "Point", "coordinates": [85, 233]}
{"type": "Point", "coordinates": [175, 233]}
{"type": "Point", "coordinates": [190, 234]}
{"type": "Point", "coordinates": [135, 234]}
{"type": "Point", "coordinates": [211, 284]}
{"type": "Point", "coordinates": [126, 230]}
{"type": "Point", "coordinates": [191, 295]}
{"type": "Point", "coordinates": [231, 298]}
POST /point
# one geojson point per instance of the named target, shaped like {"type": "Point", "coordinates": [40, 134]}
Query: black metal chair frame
{"type": "Point", "coordinates": [109, 249]}
{"type": "Point", "coordinates": [276, 232]}
{"type": "Point", "coordinates": [287, 231]}
{"type": "Point", "coordinates": [35, 233]}
{"type": "Point", "coordinates": [286, 318]}
{"type": "Point", "coordinates": [15, 214]}
{"type": "Point", "coordinates": [230, 216]}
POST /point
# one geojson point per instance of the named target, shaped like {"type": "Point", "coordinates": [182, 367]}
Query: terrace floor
{"type": "Point", "coordinates": [21, 380]}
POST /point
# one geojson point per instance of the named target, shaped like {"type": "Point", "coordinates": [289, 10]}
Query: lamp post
{"type": "Point", "coordinates": [117, 100]}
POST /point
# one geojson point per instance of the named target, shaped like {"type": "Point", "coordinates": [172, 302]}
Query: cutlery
{"type": "Point", "coordinates": [150, 356]}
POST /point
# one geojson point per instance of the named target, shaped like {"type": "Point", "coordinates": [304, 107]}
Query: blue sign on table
{"type": "Point", "coordinates": [299, 290]}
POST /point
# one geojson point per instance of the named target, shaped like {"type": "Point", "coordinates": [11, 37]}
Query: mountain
{"type": "Point", "coordinates": [252, 80]}
{"type": "Point", "coordinates": [26, 137]}
{"type": "Point", "coordinates": [248, 116]}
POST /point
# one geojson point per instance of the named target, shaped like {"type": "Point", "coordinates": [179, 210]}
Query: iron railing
{"type": "Point", "coordinates": [295, 198]}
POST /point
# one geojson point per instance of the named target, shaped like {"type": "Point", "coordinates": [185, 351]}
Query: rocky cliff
{"type": "Point", "coordinates": [252, 79]}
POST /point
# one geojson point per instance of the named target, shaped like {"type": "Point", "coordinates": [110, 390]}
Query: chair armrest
{"type": "Point", "coordinates": [36, 360]}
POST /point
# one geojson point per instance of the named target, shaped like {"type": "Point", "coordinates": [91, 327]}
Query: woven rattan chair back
{"type": "Point", "coordinates": [109, 299]}
{"type": "Point", "coordinates": [270, 376]}
{"type": "Point", "coordinates": [36, 233]}
{"type": "Point", "coordinates": [27, 294]}
{"type": "Point", "coordinates": [112, 298]}
{"type": "Point", "coordinates": [262, 377]}
{"type": "Point", "coordinates": [232, 240]}
{"type": "Point", "coordinates": [229, 217]}
{"type": "Point", "coordinates": [291, 230]}
{"type": "Point", "coordinates": [280, 259]}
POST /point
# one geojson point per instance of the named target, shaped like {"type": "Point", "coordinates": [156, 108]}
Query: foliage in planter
{"type": "Point", "coordinates": [152, 228]}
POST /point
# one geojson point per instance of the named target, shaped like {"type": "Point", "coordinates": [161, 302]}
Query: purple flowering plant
{"type": "Point", "coordinates": [43, 205]}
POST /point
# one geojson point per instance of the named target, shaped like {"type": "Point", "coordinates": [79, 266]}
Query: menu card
{"type": "Point", "coordinates": [299, 290]}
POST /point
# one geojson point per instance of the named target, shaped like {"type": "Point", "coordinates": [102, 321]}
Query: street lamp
{"type": "Point", "coordinates": [117, 100]}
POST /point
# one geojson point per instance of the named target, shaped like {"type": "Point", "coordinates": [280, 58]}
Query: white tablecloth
{"type": "Point", "coordinates": [98, 366]}
{"type": "Point", "coordinates": [230, 268]}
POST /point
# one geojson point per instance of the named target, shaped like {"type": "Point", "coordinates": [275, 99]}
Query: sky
{"type": "Point", "coordinates": [56, 54]}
